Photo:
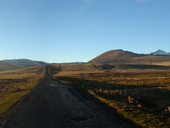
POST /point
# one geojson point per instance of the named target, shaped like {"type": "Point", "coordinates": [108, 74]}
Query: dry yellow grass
{"type": "Point", "coordinates": [148, 87]}
{"type": "Point", "coordinates": [16, 84]}
{"type": "Point", "coordinates": [146, 120]}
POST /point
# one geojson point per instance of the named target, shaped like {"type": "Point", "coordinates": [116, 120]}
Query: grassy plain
{"type": "Point", "coordinates": [15, 84]}
{"type": "Point", "coordinates": [140, 95]}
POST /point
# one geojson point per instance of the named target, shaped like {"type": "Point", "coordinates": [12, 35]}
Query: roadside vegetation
{"type": "Point", "coordinates": [14, 85]}
{"type": "Point", "coordinates": [142, 96]}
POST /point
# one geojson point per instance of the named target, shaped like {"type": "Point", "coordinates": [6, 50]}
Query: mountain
{"type": "Point", "coordinates": [126, 57]}
{"type": "Point", "coordinates": [160, 53]}
{"type": "Point", "coordinates": [114, 56]}
{"type": "Point", "coordinates": [19, 63]}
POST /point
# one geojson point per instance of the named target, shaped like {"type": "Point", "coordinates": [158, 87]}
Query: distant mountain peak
{"type": "Point", "coordinates": [116, 56]}
{"type": "Point", "coordinates": [19, 63]}
{"type": "Point", "coordinates": [160, 52]}
{"type": "Point", "coordinates": [119, 56]}
{"type": "Point", "coordinates": [119, 51]}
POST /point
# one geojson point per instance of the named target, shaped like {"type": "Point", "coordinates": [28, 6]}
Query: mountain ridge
{"type": "Point", "coordinates": [10, 64]}
{"type": "Point", "coordinates": [161, 53]}
{"type": "Point", "coordinates": [127, 57]}
{"type": "Point", "coordinates": [117, 56]}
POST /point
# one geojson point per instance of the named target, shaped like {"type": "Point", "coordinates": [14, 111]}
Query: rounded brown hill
{"type": "Point", "coordinates": [114, 56]}
{"type": "Point", "coordinates": [126, 57]}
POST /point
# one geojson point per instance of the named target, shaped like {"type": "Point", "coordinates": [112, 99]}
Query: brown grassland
{"type": "Point", "coordinates": [142, 96]}
{"type": "Point", "coordinates": [16, 84]}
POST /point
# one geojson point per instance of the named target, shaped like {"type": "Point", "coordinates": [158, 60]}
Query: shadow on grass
{"type": "Point", "coordinates": [83, 85]}
{"type": "Point", "coordinates": [152, 100]}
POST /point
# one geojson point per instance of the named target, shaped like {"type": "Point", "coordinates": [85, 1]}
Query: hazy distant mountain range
{"type": "Point", "coordinates": [115, 57]}
{"type": "Point", "coordinates": [19, 63]}
{"type": "Point", "coordinates": [160, 53]}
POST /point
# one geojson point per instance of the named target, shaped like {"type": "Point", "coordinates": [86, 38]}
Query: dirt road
{"type": "Point", "coordinates": [52, 105]}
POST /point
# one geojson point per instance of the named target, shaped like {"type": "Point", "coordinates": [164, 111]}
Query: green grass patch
{"type": "Point", "coordinates": [9, 100]}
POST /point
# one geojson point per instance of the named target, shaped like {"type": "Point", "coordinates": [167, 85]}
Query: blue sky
{"type": "Point", "coordinates": [79, 30]}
